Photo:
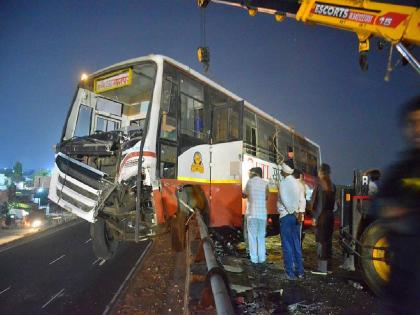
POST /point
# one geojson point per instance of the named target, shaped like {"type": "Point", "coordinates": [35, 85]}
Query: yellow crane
{"type": "Point", "coordinates": [397, 24]}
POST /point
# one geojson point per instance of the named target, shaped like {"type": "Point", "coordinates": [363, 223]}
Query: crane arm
{"type": "Point", "coordinates": [396, 23]}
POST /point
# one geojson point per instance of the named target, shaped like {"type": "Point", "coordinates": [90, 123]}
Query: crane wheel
{"type": "Point", "coordinates": [374, 257]}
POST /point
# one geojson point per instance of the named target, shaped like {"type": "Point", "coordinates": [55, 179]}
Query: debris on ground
{"type": "Point", "coordinates": [264, 288]}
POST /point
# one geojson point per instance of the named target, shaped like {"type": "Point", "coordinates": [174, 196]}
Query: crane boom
{"type": "Point", "coordinates": [398, 24]}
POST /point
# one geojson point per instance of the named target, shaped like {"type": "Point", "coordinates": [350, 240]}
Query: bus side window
{"type": "Point", "coordinates": [311, 164]}
{"type": "Point", "coordinates": [250, 133]}
{"type": "Point", "coordinates": [169, 109]}
{"type": "Point", "coordinates": [220, 124]}
{"type": "Point", "coordinates": [272, 145]}
{"type": "Point", "coordinates": [266, 130]}
{"type": "Point", "coordinates": [192, 109]}
{"type": "Point", "coordinates": [234, 121]}
{"type": "Point", "coordinates": [168, 157]}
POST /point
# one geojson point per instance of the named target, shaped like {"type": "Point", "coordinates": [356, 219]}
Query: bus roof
{"type": "Point", "coordinates": [159, 60]}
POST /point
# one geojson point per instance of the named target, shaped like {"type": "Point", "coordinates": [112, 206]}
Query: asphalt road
{"type": "Point", "coordinates": [59, 274]}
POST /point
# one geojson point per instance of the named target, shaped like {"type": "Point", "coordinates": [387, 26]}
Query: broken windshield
{"type": "Point", "coordinates": [115, 100]}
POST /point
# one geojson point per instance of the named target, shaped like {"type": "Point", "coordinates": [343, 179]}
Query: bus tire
{"type": "Point", "coordinates": [178, 231]}
{"type": "Point", "coordinates": [103, 242]}
{"type": "Point", "coordinates": [374, 272]}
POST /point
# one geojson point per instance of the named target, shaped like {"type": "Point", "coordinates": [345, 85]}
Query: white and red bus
{"type": "Point", "coordinates": [187, 129]}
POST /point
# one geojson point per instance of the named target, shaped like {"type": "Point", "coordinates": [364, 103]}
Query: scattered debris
{"type": "Point", "coordinates": [355, 284]}
{"type": "Point", "coordinates": [263, 288]}
{"type": "Point", "coordinates": [239, 288]}
{"type": "Point", "coordinates": [235, 269]}
{"type": "Point", "coordinates": [303, 307]}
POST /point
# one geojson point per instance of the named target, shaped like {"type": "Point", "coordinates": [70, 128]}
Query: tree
{"type": "Point", "coordinates": [41, 172]}
{"type": "Point", "coordinates": [17, 172]}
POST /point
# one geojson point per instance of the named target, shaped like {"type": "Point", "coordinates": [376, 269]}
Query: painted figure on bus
{"type": "Point", "coordinates": [197, 166]}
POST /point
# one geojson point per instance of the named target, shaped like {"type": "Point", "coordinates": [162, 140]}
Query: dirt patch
{"type": "Point", "coordinates": [158, 287]}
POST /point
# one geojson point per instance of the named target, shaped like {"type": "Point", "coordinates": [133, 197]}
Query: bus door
{"type": "Point", "coordinates": [225, 164]}
{"type": "Point", "coordinates": [167, 148]}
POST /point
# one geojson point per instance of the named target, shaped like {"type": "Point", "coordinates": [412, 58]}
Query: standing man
{"type": "Point", "coordinates": [289, 197]}
{"type": "Point", "coordinates": [300, 214]}
{"type": "Point", "coordinates": [256, 190]}
{"type": "Point", "coordinates": [322, 205]}
{"type": "Point", "coordinates": [399, 201]}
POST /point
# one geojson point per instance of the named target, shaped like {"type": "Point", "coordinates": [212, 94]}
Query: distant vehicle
{"type": "Point", "coordinates": [187, 130]}
{"type": "Point", "coordinates": [35, 219]}
{"type": "Point", "coordinates": [17, 217]}
{"type": "Point", "coordinates": [10, 221]}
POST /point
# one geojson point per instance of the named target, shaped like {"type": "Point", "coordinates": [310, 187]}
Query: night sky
{"type": "Point", "coordinates": [306, 76]}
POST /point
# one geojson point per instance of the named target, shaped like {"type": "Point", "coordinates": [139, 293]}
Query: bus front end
{"type": "Point", "coordinates": [96, 173]}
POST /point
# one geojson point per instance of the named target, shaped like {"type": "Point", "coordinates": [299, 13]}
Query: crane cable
{"type": "Point", "coordinates": [203, 53]}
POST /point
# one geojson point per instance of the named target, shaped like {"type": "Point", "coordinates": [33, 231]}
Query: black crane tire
{"type": "Point", "coordinates": [375, 272]}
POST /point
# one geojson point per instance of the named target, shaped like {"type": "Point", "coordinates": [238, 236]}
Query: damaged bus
{"type": "Point", "coordinates": [139, 130]}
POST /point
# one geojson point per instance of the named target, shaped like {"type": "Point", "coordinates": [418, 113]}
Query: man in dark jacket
{"type": "Point", "coordinates": [399, 199]}
{"type": "Point", "coordinates": [322, 206]}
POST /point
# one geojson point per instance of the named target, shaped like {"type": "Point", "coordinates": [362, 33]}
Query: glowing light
{"type": "Point", "coordinates": [83, 77]}
{"type": "Point", "coordinates": [36, 223]}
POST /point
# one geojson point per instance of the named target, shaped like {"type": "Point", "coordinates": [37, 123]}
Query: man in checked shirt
{"type": "Point", "coordinates": [256, 190]}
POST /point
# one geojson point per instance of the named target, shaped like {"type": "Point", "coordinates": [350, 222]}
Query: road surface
{"type": "Point", "coordinates": [59, 274]}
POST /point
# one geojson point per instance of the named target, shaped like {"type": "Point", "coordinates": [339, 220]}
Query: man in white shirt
{"type": "Point", "coordinates": [300, 214]}
{"type": "Point", "coordinates": [289, 205]}
{"type": "Point", "coordinates": [256, 190]}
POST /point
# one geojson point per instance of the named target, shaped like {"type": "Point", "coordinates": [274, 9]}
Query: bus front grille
{"type": "Point", "coordinates": [71, 200]}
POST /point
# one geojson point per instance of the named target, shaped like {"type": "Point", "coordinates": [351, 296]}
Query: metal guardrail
{"type": "Point", "coordinates": [215, 274]}
{"type": "Point", "coordinates": [216, 278]}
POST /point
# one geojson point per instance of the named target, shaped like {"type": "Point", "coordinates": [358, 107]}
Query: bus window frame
{"type": "Point", "coordinates": [78, 117]}
{"type": "Point", "coordinates": [250, 148]}
{"type": "Point", "coordinates": [229, 107]}
{"type": "Point", "coordinates": [108, 119]}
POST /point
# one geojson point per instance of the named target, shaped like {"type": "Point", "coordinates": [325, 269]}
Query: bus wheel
{"type": "Point", "coordinates": [103, 242]}
{"type": "Point", "coordinates": [374, 255]}
{"type": "Point", "coordinates": [178, 231]}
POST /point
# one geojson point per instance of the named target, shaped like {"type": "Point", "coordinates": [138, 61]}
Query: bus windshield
{"type": "Point", "coordinates": [120, 100]}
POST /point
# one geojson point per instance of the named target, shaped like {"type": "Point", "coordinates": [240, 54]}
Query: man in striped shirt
{"type": "Point", "coordinates": [256, 190]}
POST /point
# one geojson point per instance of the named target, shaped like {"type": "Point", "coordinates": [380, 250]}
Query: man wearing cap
{"type": "Point", "coordinates": [289, 196]}
{"type": "Point", "coordinates": [256, 190]}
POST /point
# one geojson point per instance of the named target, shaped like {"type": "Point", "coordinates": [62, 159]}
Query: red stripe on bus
{"type": "Point", "coordinates": [361, 197]}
